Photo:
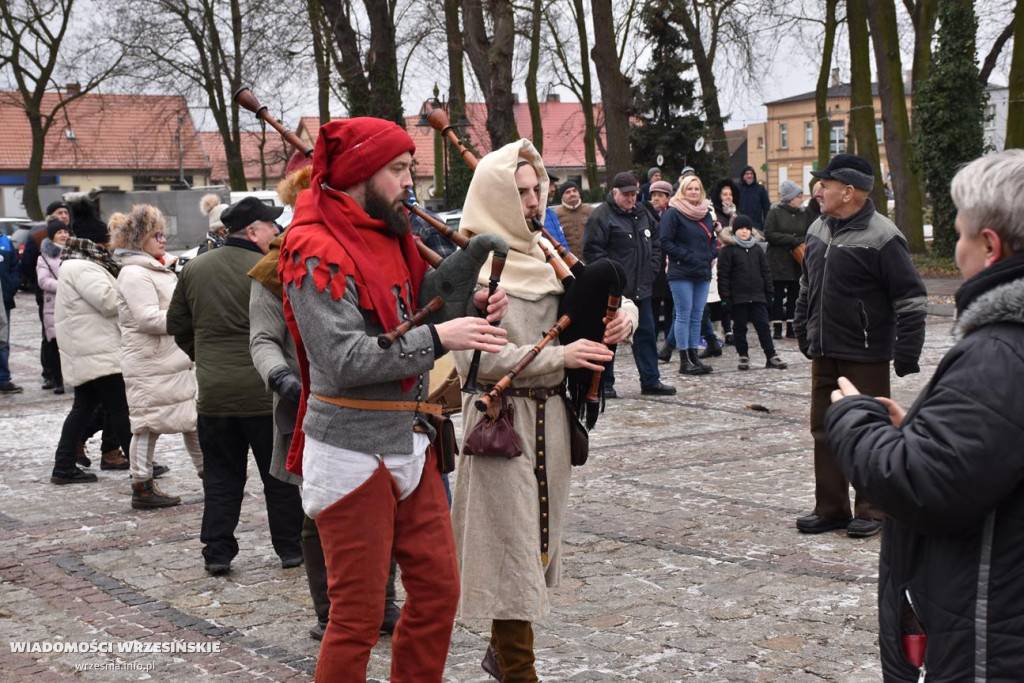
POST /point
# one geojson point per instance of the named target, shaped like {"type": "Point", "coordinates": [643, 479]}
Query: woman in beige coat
{"type": "Point", "coordinates": [509, 544]}
{"type": "Point", "coordinates": [158, 376]}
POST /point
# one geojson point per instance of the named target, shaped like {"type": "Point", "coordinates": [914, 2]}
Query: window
{"type": "Point", "coordinates": [989, 120]}
{"type": "Point", "coordinates": [808, 133]}
{"type": "Point", "coordinates": [783, 136]}
{"type": "Point", "coordinates": [878, 131]}
{"type": "Point", "coordinates": [760, 142]}
{"type": "Point", "coordinates": [837, 143]}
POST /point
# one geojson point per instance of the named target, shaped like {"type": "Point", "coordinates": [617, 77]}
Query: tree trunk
{"type": "Point", "coordinates": [321, 57]}
{"type": "Point", "coordinates": [491, 60]}
{"type": "Point", "coordinates": [30, 192]}
{"type": "Point", "coordinates": [537, 126]}
{"type": "Point", "coordinates": [456, 77]}
{"type": "Point", "coordinates": [587, 101]}
{"type": "Point", "coordinates": [862, 105]}
{"type": "Point", "coordinates": [616, 93]}
{"type": "Point", "coordinates": [905, 183]}
{"type": "Point", "coordinates": [821, 90]}
{"type": "Point", "coordinates": [925, 12]}
{"type": "Point", "coordinates": [1015, 115]}
{"type": "Point", "coordinates": [382, 64]}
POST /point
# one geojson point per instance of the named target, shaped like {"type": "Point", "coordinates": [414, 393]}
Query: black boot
{"type": "Point", "coordinates": [686, 364]}
{"type": "Point", "coordinates": [316, 575]}
{"type": "Point", "coordinates": [711, 350]}
{"type": "Point", "coordinates": [790, 332]}
{"type": "Point", "coordinates": [391, 610]}
{"type": "Point", "coordinates": [695, 357]}
{"type": "Point", "coordinates": [665, 352]}
{"type": "Point", "coordinates": [776, 330]}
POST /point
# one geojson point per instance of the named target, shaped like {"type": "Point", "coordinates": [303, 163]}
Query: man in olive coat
{"type": "Point", "coordinates": [209, 318]}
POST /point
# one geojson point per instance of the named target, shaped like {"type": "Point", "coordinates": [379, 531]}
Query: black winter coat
{"type": "Point", "coordinates": [744, 276]}
{"type": "Point", "coordinates": [784, 229]}
{"type": "Point", "coordinates": [753, 201]}
{"type": "Point", "coordinates": [690, 245]}
{"type": "Point", "coordinates": [951, 483]}
{"type": "Point", "coordinates": [628, 238]}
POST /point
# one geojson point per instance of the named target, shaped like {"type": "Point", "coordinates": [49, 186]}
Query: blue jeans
{"type": "Point", "coordinates": [645, 349]}
{"type": "Point", "coordinates": [689, 297]}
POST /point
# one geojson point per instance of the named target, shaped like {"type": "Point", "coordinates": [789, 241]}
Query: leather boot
{"type": "Point", "coordinates": [686, 364]}
{"type": "Point", "coordinates": [665, 353]}
{"type": "Point", "coordinates": [513, 641]}
{"type": "Point", "coordinates": [316, 576]}
{"type": "Point", "coordinates": [776, 330]}
{"type": "Point", "coordinates": [695, 359]}
{"type": "Point", "coordinates": [81, 458]}
{"type": "Point", "coordinates": [711, 350]}
{"type": "Point", "coordinates": [391, 610]}
{"type": "Point", "coordinates": [146, 496]}
{"type": "Point", "coordinates": [114, 460]}
{"type": "Point", "coordinates": [790, 332]}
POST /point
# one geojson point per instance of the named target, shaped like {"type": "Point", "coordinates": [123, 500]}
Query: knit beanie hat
{"type": "Point", "coordinates": [565, 186]}
{"type": "Point", "coordinates": [58, 204]}
{"type": "Point", "coordinates": [741, 221]}
{"type": "Point", "coordinates": [55, 225]}
{"type": "Point", "coordinates": [789, 191]}
{"type": "Point", "coordinates": [651, 171]}
{"type": "Point", "coordinates": [212, 206]}
{"type": "Point", "coordinates": [357, 148]}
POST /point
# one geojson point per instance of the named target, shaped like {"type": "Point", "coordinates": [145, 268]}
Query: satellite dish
{"type": "Point", "coordinates": [699, 145]}
{"type": "Point", "coordinates": [660, 160]}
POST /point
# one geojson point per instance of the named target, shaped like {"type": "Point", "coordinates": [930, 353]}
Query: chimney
{"type": "Point", "coordinates": [835, 77]}
{"type": "Point", "coordinates": [73, 89]}
{"type": "Point", "coordinates": [553, 97]}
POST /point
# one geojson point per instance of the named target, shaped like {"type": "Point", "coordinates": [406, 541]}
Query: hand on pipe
{"type": "Point", "coordinates": [497, 304]}
{"type": "Point", "coordinates": [618, 329]}
{"type": "Point", "coordinates": [471, 333]}
{"type": "Point", "coordinates": [584, 353]}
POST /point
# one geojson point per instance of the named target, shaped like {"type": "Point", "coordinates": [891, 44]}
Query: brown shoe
{"type": "Point", "coordinates": [81, 458]}
{"type": "Point", "coordinates": [145, 496]}
{"type": "Point", "coordinates": [114, 460]}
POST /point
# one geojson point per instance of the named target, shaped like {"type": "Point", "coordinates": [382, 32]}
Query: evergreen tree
{"type": "Point", "coordinates": [666, 104]}
{"type": "Point", "coordinates": [949, 107]}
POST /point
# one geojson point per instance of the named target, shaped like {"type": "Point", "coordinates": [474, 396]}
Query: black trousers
{"type": "Point", "coordinates": [226, 442]}
{"type": "Point", "coordinates": [50, 355]}
{"type": "Point", "coordinates": [788, 290]}
{"type": "Point", "coordinates": [108, 392]}
{"type": "Point", "coordinates": [756, 313]}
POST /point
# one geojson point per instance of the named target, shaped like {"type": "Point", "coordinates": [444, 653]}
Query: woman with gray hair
{"type": "Point", "coordinates": [949, 472]}
{"type": "Point", "coordinates": [158, 376]}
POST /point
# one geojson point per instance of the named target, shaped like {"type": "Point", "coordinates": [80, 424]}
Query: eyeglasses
{"type": "Point", "coordinates": [159, 237]}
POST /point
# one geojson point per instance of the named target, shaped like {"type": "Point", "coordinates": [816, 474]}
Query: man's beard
{"type": "Point", "coordinates": [396, 222]}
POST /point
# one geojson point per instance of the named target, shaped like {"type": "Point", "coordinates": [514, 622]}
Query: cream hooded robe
{"type": "Point", "coordinates": [495, 510]}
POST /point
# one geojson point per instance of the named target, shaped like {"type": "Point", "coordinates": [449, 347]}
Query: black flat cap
{"type": "Point", "coordinates": [246, 211]}
{"type": "Point", "coordinates": [625, 182]}
{"type": "Point", "coordinates": [848, 169]}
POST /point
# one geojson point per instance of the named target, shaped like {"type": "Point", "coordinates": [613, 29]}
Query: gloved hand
{"type": "Point", "coordinates": [904, 368]}
{"type": "Point", "coordinates": [805, 348]}
{"type": "Point", "coordinates": [285, 384]}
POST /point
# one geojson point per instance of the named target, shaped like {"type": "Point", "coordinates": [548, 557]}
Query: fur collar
{"type": "Point", "coordinates": [1001, 304]}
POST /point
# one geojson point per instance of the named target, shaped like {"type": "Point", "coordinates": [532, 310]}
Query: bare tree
{"type": "Point", "coordinates": [1015, 115]}
{"type": "Point", "coordinates": [34, 53]}
{"type": "Point", "coordinates": [862, 102]}
{"type": "Point", "coordinates": [616, 90]}
{"type": "Point", "coordinates": [896, 129]}
{"type": "Point", "coordinates": [537, 127]}
{"type": "Point", "coordinates": [491, 59]}
{"type": "Point", "coordinates": [922, 14]}
{"type": "Point", "coordinates": [831, 24]}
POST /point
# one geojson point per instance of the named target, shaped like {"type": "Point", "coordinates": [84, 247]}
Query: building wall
{"type": "Point", "coordinates": [757, 152]}
{"type": "Point", "coordinates": [997, 113]}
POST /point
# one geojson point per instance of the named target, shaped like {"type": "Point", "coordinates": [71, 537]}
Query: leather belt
{"type": "Point", "coordinates": [386, 406]}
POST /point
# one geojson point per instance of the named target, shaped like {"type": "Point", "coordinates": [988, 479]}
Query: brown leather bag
{"type": "Point", "coordinates": [797, 253]}
{"type": "Point", "coordinates": [494, 437]}
{"type": "Point", "coordinates": [579, 438]}
{"type": "Point", "coordinates": [445, 444]}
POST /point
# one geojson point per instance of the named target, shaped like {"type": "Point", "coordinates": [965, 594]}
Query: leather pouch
{"type": "Point", "coordinates": [494, 437]}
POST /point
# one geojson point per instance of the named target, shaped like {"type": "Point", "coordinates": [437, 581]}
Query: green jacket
{"type": "Point", "coordinates": [209, 318]}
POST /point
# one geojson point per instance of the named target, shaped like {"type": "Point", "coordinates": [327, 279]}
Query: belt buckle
{"type": "Point", "coordinates": [530, 393]}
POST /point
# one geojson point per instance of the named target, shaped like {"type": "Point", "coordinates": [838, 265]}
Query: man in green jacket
{"type": "Point", "coordinates": [209, 318]}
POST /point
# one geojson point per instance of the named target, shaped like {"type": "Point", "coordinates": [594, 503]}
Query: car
{"type": "Point", "coordinates": [283, 222]}
{"type": "Point", "coordinates": [18, 230]}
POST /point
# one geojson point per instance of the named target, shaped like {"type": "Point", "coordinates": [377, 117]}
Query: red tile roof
{"type": "Point", "coordinates": [562, 123]}
{"type": "Point", "coordinates": [275, 154]}
{"type": "Point", "coordinates": [111, 132]}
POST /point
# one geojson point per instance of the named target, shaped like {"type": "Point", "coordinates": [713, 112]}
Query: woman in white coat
{"type": "Point", "coordinates": [158, 376]}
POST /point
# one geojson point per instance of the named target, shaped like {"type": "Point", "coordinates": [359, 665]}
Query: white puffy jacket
{"type": "Point", "coordinates": [85, 316]}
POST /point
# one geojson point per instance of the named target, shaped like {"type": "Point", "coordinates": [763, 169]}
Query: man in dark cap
{"type": "Point", "coordinates": [350, 271]}
{"type": "Point", "coordinates": [209, 318]}
{"type": "Point", "coordinates": [622, 230]}
{"type": "Point", "coordinates": [572, 214]}
{"type": "Point", "coordinates": [653, 176]}
{"type": "Point", "coordinates": [866, 309]}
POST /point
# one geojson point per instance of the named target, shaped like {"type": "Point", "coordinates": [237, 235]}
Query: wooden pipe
{"type": "Point", "coordinates": [385, 341]}
{"type": "Point", "coordinates": [471, 386]}
{"type": "Point", "coordinates": [484, 402]}
{"type": "Point", "coordinates": [611, 309]}
{"type": "Point", "coordinates": [457, 238]}
{"type": "Point", "coordinates": [247, 100]}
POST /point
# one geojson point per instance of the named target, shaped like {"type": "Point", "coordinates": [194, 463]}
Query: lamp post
{"type": "Point", "coordinates": [440, 146]}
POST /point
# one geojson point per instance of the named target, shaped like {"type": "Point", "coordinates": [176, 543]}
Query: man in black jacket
{"type": "Point", "coordinates": [949, 473]}
{"type": "Point", "coordinates": [622, 231]}
{"type": "Point", "coordinates": [753, 200]}
{"type": "Point", "coordinates": [852, 318]}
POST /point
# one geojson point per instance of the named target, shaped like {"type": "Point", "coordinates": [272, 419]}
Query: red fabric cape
{"type": "Point", "coordinates": [327, 226]}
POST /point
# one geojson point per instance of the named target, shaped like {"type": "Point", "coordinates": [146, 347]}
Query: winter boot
{"type": "Point", "coordinates": [695, 358]}
{"type": "Point", "coordinates": [114, 460]}
{"type": "Point", "coordinates": [316, 575]}
{"type": "Point", "coordinates": [790, 332]}
{"type": "Point", "coordinates": [687, 365]}
{"type": "Point", "coordinates": [776, 329]}
{"type": "Point", "coordinates": [391, 610]}
{"type": "Point", "coordinates": [513, 641]}
{"type": "Point", "coordinates": [665, 352]}
{"type": "Point", "coordinates": [81, 457]}
{"type": "Point", "coordinates": [744, 363]}
{"type": "Point", "coordinates": [712, 349]}
{"type": "Point", "coordinates": [776, 363]}
{"type": "Point", "coordinates": [145, 496]}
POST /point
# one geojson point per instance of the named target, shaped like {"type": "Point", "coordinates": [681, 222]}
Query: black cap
{"type": "Point", "coordinates": [848, 169]}
{"type": "Point", "coordinates": [243, 213]}
{"type": "Point", "coordinates": [625, 182]}
{"type": "Point", "coordinates": [53, 206]}
{"type": "Point", "coordinates": [55, 225]}
{"type": "Point", "coordinates": [552, 177]}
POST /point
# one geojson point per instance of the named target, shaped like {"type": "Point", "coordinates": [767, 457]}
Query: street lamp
{"type": "Point", "coordinates": [440, 148]}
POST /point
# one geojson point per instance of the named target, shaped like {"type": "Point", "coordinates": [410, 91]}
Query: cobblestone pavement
{"type": "Point", "coordinates": [683, 561]}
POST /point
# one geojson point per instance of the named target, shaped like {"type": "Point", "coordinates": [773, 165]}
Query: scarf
{"type": "Point", "coordinates": [694, 212]}
{"type": "Point", "coordinates": [747, 243]}
{"type": "Point", "coordinates": [729, 209]}
{"type": "Point", "coordinates": [265, 272]}
{"type": "Point", "coordinates": [87, 250]}
{"type": "Point", "coordinates": [573, 207]}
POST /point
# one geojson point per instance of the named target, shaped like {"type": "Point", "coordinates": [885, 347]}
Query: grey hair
{"type": "Point", "coordinates": [987, 194]}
